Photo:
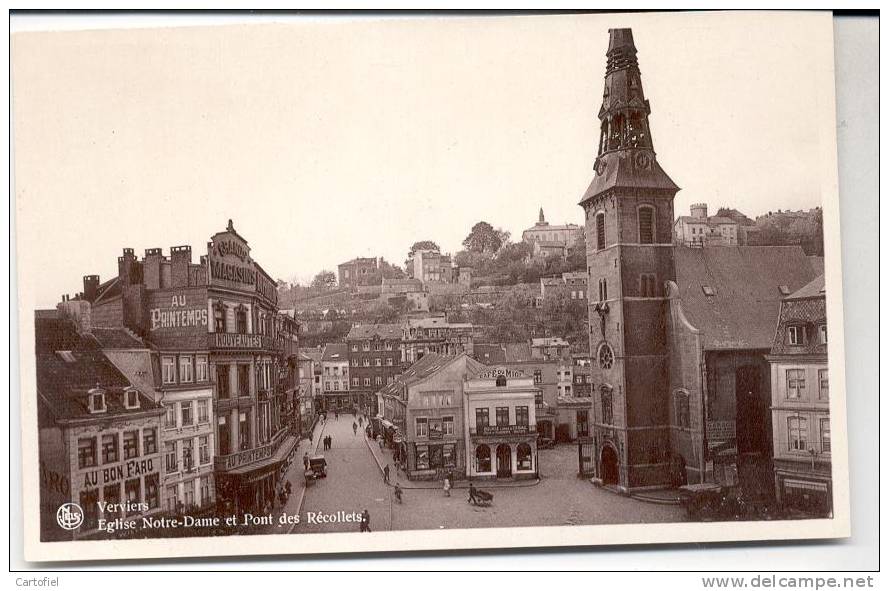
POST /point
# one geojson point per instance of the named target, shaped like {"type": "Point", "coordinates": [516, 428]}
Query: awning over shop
{"type": "Point", "coordinates": [287, 445]}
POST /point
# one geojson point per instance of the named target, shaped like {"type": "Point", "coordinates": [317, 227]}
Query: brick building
{"type": "Point", "coordinates": [374, 361]}
{"type": "Point", "coordinates": [356, 272]}
{"type": "Point", "coordinates": [335, 377]}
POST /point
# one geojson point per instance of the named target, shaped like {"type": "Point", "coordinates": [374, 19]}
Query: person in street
{"type": "Point", "coordinates": [354, 428]}
{"type": "Point", "coordinates": [360, 420]}
{"type": "Point", "coordinates": [336, 415]}
{"type": "Point", "coordinates": [472, 495]}
{"type": "Point", "coordinates": [447, 486]}
{"type": "Point", "coordinates": [398, 492]}
{"type": "Point", "coordinates": [386, 474]}
{"type": "Point", "coordinates": [306, 460]}
{"type": "Point", "coordinates": [365, 521]}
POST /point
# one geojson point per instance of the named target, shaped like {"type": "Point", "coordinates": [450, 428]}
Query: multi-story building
{"type": "Point", "coordinates": [425, 406]}
{"type": "Point", "coordinates": [563, 236]}
{"type": "Point", "coordinates": [434, 334]}
{"type": "Point", "coordinates": [801, 402]}
{"type": "Point", "coordinates": [430, 266]}
{"type": "Point", "coordinates": [214, 327]}
{"type": "Point", "coordinates": [356, 272]}
{"type": "Point", "coordinates": [99, 436]}
{"type": "Point", "coordinates": [335, 377]}
{"type": "Point", "coordinates": [501, 424]}
{"type": "Point", "coordinates": [550, 348]}
{"type": "Point", "coordinates": [699, 229]}
{"type": "Point", "coordinates": [374, 361]}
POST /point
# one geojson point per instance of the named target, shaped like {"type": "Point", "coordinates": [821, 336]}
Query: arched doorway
{"type": "Point", "coordinates": [610, 466]}
{"type": "Point", "coordinates": [504, 461]}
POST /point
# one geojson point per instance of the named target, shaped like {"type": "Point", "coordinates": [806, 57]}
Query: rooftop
{"type": "Point", "coordinates": [335, 352]}
{"type": "Point", "coordinates": [379, 331]}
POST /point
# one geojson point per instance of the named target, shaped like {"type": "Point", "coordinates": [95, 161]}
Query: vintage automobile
{"type": "Point", "coordinates": [317, 468]}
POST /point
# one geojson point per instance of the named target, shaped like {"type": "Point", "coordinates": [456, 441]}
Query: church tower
{"type": "Point", "coordinates": [629, 218]}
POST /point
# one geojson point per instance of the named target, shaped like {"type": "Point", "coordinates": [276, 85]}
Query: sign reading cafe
{"type": "Point", "coordinates": [501, 372]}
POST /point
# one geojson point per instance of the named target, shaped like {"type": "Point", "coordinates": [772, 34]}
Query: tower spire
{"type": "Point", "coordinates": [625, 157]}
{"type": "Point", "coordinates": [541, 219]}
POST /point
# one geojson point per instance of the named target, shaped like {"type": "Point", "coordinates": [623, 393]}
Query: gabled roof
{"type": "Point", "coordinates": [489, 353]}
{"type": "Point", "coordinates": [335, 352]}
{"type": "Point", "coordinates": [745, 283]}
{"type": "Point", "coordinates": [430, 364]}
{"type": "Point", "coordinates": [311, 353]}
{"type": "Point", "coordinates": [813, 289]}
{"type": "Point", "coordinates": [117, 338]}
{"type": "Point", "coordinates": [380, 331]}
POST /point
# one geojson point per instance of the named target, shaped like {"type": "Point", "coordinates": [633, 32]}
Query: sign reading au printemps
{"type": "Point", "coordinates": [505, 372]}
{"type": "Point", "coordinates": [180, 314]}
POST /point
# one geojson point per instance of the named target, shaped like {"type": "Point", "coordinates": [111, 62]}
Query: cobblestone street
{"type": "Point", "coordinates": [560, 498]}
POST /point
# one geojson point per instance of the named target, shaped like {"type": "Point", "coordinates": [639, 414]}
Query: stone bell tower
{"type": "Point", "coordinates": [629, 218]}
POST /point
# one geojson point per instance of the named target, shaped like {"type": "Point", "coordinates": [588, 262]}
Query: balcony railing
{"type": "Point", "coordinates": [503, 430]}
{"type": "Point", "coordinates": [234, 340]}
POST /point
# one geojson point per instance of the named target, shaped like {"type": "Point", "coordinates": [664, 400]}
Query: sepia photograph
{"type": "Point", "coordinates": [429, 282]}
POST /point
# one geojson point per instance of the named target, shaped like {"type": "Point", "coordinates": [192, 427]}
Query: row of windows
{"type": "Point", "coordinates": [443, 427]}
{"type": "Point", "coordinates": [182, 414]}
{"type": "Point", "coordinates": [366, 346]}
{"type": "Point", "coordinates": [88, 450]}
{"type": "Point", "coordinates": [796, 384]}
{"type": "Point", "coordinates": [798, 434]}
{"type": "Point", "coordinates": [111, 493]}
{"type": "Point", "coordinates": [501, 415]}
{"type": "Point", "coordinates": [335, 386]}
{"type": "Point", "coordinates": [186, 446]}
{"type": "Point", "coordinates": [483, 457]}
{"type": "Point", "coordinates": [377, 381]}
{"type": "Point", "coordinates": [188, 494]}
{"type": "Point", "coordinates": [377, 362]}
{"type": "Point", "coordinates": [223, 379]}
{"type": "Point", "coordinates": [192, 368]}
{"type": "Point", "coordinates": [646, 227]}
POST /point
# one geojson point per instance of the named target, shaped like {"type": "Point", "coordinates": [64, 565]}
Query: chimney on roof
{"type": "Point", "coordinates": [126, 266]}
{"type": "Point", "coordinates": [699, 210]}
{"type": "Point", "coordinates": [90, 287]}
{"type": "Point", "coordinates": [180, 258]}
{"type": "Point", "coordinates": [151, 265]}
{"type": "Point", "coordinates": [80, 311]}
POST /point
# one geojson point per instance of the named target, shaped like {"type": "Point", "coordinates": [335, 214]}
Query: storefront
{"type": "Point", "coordinates": [248, 481]}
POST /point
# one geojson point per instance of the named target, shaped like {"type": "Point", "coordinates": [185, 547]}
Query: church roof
{"type": "Point", "coordinates": [733, 294]}
{"type": "Point", "coordinates": [623, 169]}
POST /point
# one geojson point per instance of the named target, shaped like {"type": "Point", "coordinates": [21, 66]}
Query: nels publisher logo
{"type": "Point", "coordinates": [69, 516]}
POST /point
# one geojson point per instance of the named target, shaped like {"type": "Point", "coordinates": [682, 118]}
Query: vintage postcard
{"type": "Point", "coordinates": [351, 284]}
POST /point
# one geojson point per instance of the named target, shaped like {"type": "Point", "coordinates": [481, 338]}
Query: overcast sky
{"type": "Point", "coordinates": [324, 141]}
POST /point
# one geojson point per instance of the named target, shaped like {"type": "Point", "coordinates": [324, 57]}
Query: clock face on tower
{"type": "Point", "coordinates": [600, 166]}
{"type": "Point", "coordinates": [642, 160]}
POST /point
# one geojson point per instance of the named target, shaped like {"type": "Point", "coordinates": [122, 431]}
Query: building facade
{"type": "Point", "coordinates": [699, 229]}
{"type": "Point", "coordinates": [434, 334]}
{"type": "Point", "coordinates": [335, 377]}
{"type": "Point", "coordinates": [801, 402]}
{"type": "Point", "coordinates": [501, 425]}
{"type": "Point", "coordinates": [563, 236]}
{"type": "Point", "coordinates": [356, 272]}
{"type": "Point", "coordinates": [374, 361]}
{"type": "Point", "coordinates": [99, 436]}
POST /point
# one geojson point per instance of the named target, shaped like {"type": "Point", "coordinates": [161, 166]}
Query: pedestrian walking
{"type": "Point", "coordinates": [447, 486]}
{"type": "Point", "coordinates": [386, 474]}
{"type": "Point", "coordinates": [354, 428]}
{"type": "Point", "coordinates": [360, 420]}
{"type": "Point", "coordinates": [472, 496]}
{"type": "Point", "coordinates": [398, 493]}
{"type": "Point", "coordinates": [306, 460]}
{"type": "Point", "coordinates": [365, 521]}
{"type": "Point", "coordinates": [336, 415]}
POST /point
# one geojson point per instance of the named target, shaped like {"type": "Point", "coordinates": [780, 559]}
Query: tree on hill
{"type": "Point", "coordinates": [423, 245]}
{"type": "Point", "coordinates": [484, 238]}
{"type": "Point", "coordinates": [324, 280]}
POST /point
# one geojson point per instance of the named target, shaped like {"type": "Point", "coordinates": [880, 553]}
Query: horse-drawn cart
{"type": "Point", "coordinates": [481, 498]}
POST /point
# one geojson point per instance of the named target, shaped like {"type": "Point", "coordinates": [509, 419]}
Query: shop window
{"type": "Point", "coordinates": [152, 491]}
{"type": "Point", "coordinates": [133, 492]}
{"type": "Point", "coordinates": [109, 449]}
{"type": "Point", "coordinates": [149, 441]}
{"type": "Point", "coordinates": [797, 433]}
{"type": "Point", "coordinates": [825, 435]}
{"type": "Point", "coordinates": [523, 456]}
{"type": "Point", "coordinates": [646, 224]}
{"type": "Point", "coordinates": [422, 457]}
{"type": "Point", "coordinates": [796, 383]}
{"type": "Point", "coordinates": [483, 458]}
{"type": "Point", "coordinates": [111, 495]}
{"type": "Point", "coordinates": [89, 502]}
{"type": "Point", "coordinates": [130, 444]}
{"type": "Point", "coordinates": [449, 457]}
{"type": "Point", "coordinates": [823, 385]}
